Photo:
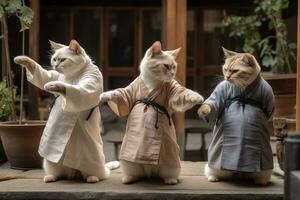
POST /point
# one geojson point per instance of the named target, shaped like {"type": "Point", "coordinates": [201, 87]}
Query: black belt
{"type": "Point", "coordinates": [87, 118]}
{"type": "Point", "coordinates": [158, 108]}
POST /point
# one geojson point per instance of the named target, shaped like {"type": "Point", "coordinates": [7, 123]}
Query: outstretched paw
{"type": "Point", "coordinates": [108, 96]}
{"type": "Point", "coordinates": [26, 62]}
{"type": "Point", "coordinates": [194, 97]}
{"type": "Point", "coordinates": [204, 110]}
{"type": "Point", "coordinates": [55, 86]}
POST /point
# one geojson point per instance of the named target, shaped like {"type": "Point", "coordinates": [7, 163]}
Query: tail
{"type": "Point", "coordinates": [112, 165]}
{"type": "Point", "coordinates": [5, 177]}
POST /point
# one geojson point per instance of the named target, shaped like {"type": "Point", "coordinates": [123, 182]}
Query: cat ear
{"type": "Point", "coordinates": [228, 54]}
{"type": "Point", "coordinates": [75, 46]}
{"type": "Point", "coordinates": [174, 53]}
{"type": "Point", "coordinates": [155, 49]}
{"type": "Point", "coordinates": [55, 45]}
{"type": "Point", "coordinates": [248, 59]}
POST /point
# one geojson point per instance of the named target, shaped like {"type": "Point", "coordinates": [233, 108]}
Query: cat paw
{"type": "Point", "coordinates": [22, 60]}
{"type": "Point", "coordinates": [194, 98]}
{"type": "Point", "coordinates": [92, 179]}
{"type": "Point", "coordinates": [212, 178]}
{"type": "Point", "coordinates": [50, 178]}
{"type": "Point", "coordinates": [107, 96]}
{"type": "Point", "coordinates": [55, 86]}
{"type": "Point", "coordinates": [171, 181]}
{"type": "Point", "coordinates": [25, 62]}
{"type": "Point", "coordinates": [204, 110]}
{"type": "Point", "coordinates": [129, 179]}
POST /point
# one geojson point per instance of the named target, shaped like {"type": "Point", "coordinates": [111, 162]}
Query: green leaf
{"type": "Point", "coordinates": [13, 6]}
{"type": "Point", "coordinates": [6, 108]}
{"type": "Point", "coordinates": [267, 61]}
{"type": "Point", "coordinates": [292, 46]}
{"type": "Point", "coordinates": [1, 12]}
{"type": "Point", "coordinates": [3, 3]}
{"type": "Point", "coordinates": [285, 5]}
{"type": "Point", "coordinates": [25, 17]}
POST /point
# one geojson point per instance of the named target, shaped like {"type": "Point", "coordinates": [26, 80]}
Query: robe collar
{"type": "Point", "coordinates": [253, 85]}
{"type": "Point", "coordinates": [153, 93]}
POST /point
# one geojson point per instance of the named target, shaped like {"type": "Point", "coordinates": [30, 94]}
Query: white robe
{"type": "Point", "coordinates": [68, 134]}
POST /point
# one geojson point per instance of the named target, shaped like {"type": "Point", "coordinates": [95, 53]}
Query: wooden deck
{"type": "Point", "coordinates": [193, 185]}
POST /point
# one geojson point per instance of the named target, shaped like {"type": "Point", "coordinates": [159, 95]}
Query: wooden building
{"type": "Point", "coordinates": [116, 33]}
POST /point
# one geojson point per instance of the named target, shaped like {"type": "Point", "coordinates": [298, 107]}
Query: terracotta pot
{"type": "Point", "coordinates": [21, 142]}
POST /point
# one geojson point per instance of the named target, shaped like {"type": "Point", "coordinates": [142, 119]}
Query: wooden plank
{"type": "Point", "coordinates": [33, 51]}
{"type": "Point", "coordinates": [298, 73]}
{"type": "Point", "coordinates": [174, 14]}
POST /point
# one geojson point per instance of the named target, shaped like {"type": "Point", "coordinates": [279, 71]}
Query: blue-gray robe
{"type": "Point", "coordinates": [241, 141]}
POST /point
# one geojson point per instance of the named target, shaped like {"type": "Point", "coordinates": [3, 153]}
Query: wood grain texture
{"type": "Point", "coordinates": [33, 52]}
{"type": "Point", "coordinates": [174, 17]}
{"type": "Point", "coordinates": [298, 73]}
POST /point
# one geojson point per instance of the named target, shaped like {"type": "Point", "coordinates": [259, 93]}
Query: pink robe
{"type": "Point", "coordinates": [144, 142]}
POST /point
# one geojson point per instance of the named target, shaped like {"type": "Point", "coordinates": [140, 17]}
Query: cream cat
{"type": "Point", "coordinates": [241, 106]}
{"type": "Point", "coordinates": [149, 147]}
{"type": "Point", "coordinates": [71, 144]}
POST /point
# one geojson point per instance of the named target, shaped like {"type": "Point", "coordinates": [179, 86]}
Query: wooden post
{"type": "Point", "coordinates": [174, 36]}
{"type": "Point", "coordinates": [34, 41]}
{"type": "Point", "coordinates": [298, 73]}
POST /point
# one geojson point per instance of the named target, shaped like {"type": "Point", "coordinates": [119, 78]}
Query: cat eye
{"type": "Point", "coordinates": [62, 59]}
{"type": "Point", "coordinates": [54, 59]}
{"type": "Point", "coordinates": [234, 71]}
{"type": "Point", "coordinates": [166, 66]}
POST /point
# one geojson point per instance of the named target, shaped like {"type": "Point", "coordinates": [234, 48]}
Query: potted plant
{"type": "Point", "coordinates": [6, 112]}
{"type": "Point", "coordinates": [265, 35]}
{"type": "Point", "coordinates": [20, 138]}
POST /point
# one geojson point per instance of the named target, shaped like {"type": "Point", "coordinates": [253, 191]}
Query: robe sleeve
{"type": "Point", "coordinates": [125, 100]}
{"type": "Point", "coordinates": [177, 98]}
{"type": "Point", "coordinates": [85, 94]}
{"type": "Point", "coordinates": [41, 76]}
{"type": "Point", "coordinates": [269, 102]}
{"type": "Point", "coordinates": [216, 101]}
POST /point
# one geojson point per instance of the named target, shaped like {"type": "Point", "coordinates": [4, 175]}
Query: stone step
{"type": "Point", "coordinates": [192, 185]}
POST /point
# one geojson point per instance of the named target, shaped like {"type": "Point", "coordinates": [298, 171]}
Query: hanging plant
{"type": "Point", "coordinates": [13, 8]}
{"type": "Point", "coordinates": [274, 50]}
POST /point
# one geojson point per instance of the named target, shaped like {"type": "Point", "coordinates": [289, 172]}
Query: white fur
{"type": "Point", "coordinates": [133, 172]}
{"type": "Point", "coordinates": [153, 77]}
{"type": "Point", "coordinates": [214, 175]}
{"type": "Point", "coordinates": [55, 171]}
{"type": "Point", "coordinates": [70, 61]}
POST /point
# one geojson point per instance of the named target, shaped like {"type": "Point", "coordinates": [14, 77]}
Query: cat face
{"type": "Point", "coordinates": [159, 65]}
{"type": "Point", "coordinates": [68, 60]}
{"type": "Point", "coordinates": [240, 69]}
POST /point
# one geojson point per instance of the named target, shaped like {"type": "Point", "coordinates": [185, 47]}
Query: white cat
{"type": "Point", "coordinates": [71, 144]}
{"type": "Point", "coordinates": [149, 147]}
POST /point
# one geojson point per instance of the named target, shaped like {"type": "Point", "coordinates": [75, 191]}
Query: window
{"type": "Point", "coordinates": [115, 38]}
{"type": "Point", "coordinates": [205, 37]}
